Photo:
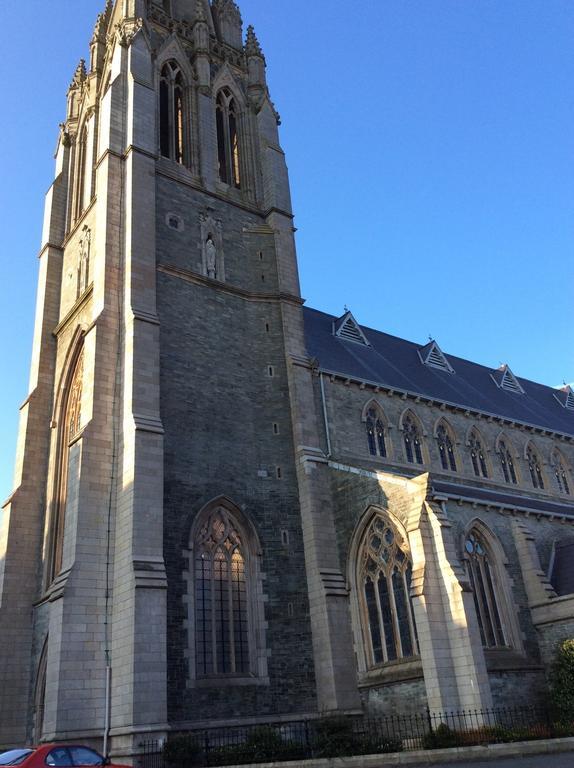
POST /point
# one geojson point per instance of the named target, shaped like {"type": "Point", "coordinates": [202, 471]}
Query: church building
{"type": "Point", "coordinates": [229, 507]}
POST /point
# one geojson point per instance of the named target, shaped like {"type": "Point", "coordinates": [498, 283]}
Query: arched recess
{"type": "Point", "coordinates": [486, 564]}
{"type": "Point", "coordinates": [81, 156]}
{"type": "Point", "coordinates": [478, 453]}
{"type": "Point", "coordinates": [562, 473]}
{"type": "Point", "coordinates": [445, 437]}
{"type": "Point", "coordinates": [535, 465]}
{"type": "Point", "coordinates": [67, 418]}
{"type": "Point", "coordinates": [507, 458]}
{"type": "Point", "coordinates": [414, 444]}
{"type": "Point", "coordinates": [377, 429]}
{"type": "Point", "coordinates": [379, 570]}
{"type": "Point", "coordinates": [226, 617]}
{"type": "Point", "coordinates": [40, 694]}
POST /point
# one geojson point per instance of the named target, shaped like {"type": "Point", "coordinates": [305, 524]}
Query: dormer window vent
{"type": "Point", "coordinates": [505, 379]}
{"type": "Point", "coordinates": [347, 328]}
{"type": "Point", "coordinates": [565, 397]}
{"type": "Point", "coordinates": [433, 356]}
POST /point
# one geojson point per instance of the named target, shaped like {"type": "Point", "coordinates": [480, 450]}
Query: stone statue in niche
{"type": "Point", "coordinates": [211, 246]}
{"type": "Point", "coordinates": [211, 258]}
{"type": "Point", "coordinates": [84, 262]}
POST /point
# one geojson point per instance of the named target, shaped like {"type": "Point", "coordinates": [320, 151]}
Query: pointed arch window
{"type": "Point", "coordinates": [487, 601]}
{"type": "Point", "coordinates": [535, 468]}
{"type": "Point", "coordinates": [478, 455]}
{"type": "Point", "coordinates": [172, 113]}
{"type": "Point", "coordinates": [413, 440]}
{"type": "Point", "coordinates": [82, 151]}
{"type": "Point", "coordinates": [446, 448]}
{"type": "Point", "coordinates": [376, 433]}
{"type": "Point", "coordinates": [563, 481]}
{"type": "Point", "coordinates": [228, 150]}
{"type": "Point", "coordinates": [384, 579]}
{"type": "Point", "coordinates": [71, 421]}
{"type": "Point", "coordinates": [507, 463]}
{"type": "Point", "coordinates": [221, 598]}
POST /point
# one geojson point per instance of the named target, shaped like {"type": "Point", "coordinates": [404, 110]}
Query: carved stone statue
{"type": "Point", "coordinates": [84, 262]}
{"type": "Point", "coordinates": [211, 258]}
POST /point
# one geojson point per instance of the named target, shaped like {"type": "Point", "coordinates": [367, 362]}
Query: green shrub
{"type": "Point", "coordinates": [562, 683]}
{"type": "Point", "coordinates": [336, 737]}
{"type": "Point", "coordinates": [183, 751]}
{"type": "Point", "coordinates": [263, 744]}
{"type": "Point", "coordinates": [442, 737]}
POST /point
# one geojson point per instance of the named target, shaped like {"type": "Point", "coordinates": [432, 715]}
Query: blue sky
{"type": "Point", "coordinates": [430, 145]}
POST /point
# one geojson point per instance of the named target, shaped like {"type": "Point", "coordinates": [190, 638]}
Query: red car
{"type": "Point", "coordinates": [54, 756]}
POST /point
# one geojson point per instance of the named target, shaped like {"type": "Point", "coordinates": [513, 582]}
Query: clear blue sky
{"type": "Point", "coordinates": [430, 145]}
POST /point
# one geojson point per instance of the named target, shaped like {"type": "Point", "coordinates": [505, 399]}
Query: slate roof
{"type": "Point", "coordinates": [395, 363]}
{"type": "Point", "coordinates": [563, 571]}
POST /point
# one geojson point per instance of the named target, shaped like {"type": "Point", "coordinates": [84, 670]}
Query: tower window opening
{"type": "Point", "coordinates": [228, 143]}
{"type": "Point", "coordinates": [172, 113]}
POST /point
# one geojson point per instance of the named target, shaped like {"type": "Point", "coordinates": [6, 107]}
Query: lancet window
{"type": "Point", "coordinates": [82, 151]}
{"type": "Point", "coordinates": [376, 433]}
{"type": "Point", "coordinates": [71, 421]}
{"type": "Point", "coordinates": [228, 150]}
{"type": "Point", "coordinates": [478, 455]}
{"type": "Point", "coordinates": [535, 468]}
{"type": "Point", "coordinates": [172, 113]}
{"type": "Point", "coordinates": [384, 583]}
{"type": "Point", "coordinates": [446, 448]}
{"type": "Point", "coordinates": [221, 598]}
{"type": "Point", "coordinates": [563, 481]}
{"type": "Point", "coordinates": [412, 440]}
{"type": "Point", "coordinates": [482, 574]}
{"type": "Point", "coordinates": [507, 463]}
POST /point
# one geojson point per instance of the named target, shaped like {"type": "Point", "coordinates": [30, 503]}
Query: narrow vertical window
{"type": "Point", "coordinates": [478, 456]}
{"type": "Point", "coordinates": [486, 600]}
{"type": "Point", "coordinates": [563, 481]}
{"type": "Point", "coordinates": [82, 150]}
{"type": "Point", "coordinates": [386, 608]}
{"type": "Point", "coordinates": [446, 448]}
{"type": "Point", "coordinates": [376, 434]}
{"type": "Point", "coordinates": [534, 468]}
{"type": "Point", "coordinates": [228, 144]}
{"type": "Point", "coordinates": [507, 464]}
{"type": "Point", "coordinates": [172, 113]}
{"type": "Point", "coordinates": [221, 598]}
{"type": "Point", "coordinates": [412, 440]}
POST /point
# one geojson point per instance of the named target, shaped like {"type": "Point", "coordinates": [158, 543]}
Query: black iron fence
{"type": "Point", "coordinates": [338, 737]}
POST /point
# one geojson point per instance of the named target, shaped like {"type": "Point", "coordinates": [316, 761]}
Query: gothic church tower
{"type": "Point", "coordinates": [168, 537]}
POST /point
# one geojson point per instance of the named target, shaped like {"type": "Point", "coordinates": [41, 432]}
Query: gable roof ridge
{"type": "Point", "coordinates": [433, 356]}
{"type": "Point", "coordinates": [347, 328]}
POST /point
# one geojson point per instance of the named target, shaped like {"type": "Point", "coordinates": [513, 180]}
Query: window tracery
{"type": "Point", "coordinates": [446, 448]}
{"type": "Point", "coordinates": [507, 463]}
{"type": "Point", "coordinates": [481, 571]}
{"type": "Point", "coordinates": [385, 574]}
{"type": "Point", "coordinates": [478, 455]}
{"type": "Point", "coordinates": [376, 434]}
{"type": "Point", "coordinates": [228, 150]}
{"type": "Point", "coordinates": [535, 468]}
{"type": "Point", "coordinates": [172, 113]}
{"type": "Point", "coordinates": [221, 598]}
{"type": "Point", "coordinates": [412, 440]}
{"type": "Point", "coordinates": [563, 481]}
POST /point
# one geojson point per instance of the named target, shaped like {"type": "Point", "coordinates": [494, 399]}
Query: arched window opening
{"type": "Point", "coordinates": [228, 152]}
{"type": "Point", "coordinates": [385, 575]}
{"type": "Point", "coordinates": [507, 463]}
{"type": "Point", "coordinates": [376, 434]}
{"type": "Point", "coordinates": [82, 150]}
{"type": "Point", "coordinates": [446, 448]}
{"type": "Point", "coordinates": [71, 422]}
{"type": "Point", "coordinates": [563, 481]}
{"type": "Point", "coordinates": [534, 468]}
{"type": "Point", "coordinates": [172, 113]}
{"type": "Point", "coordinates": [478, 456]}
{"type": "Point", "coordinates": [221, 598]}
{"type": "Point", "coordinates": [481, 573]}
{"type": "Point", "coordinates": [413, 441]}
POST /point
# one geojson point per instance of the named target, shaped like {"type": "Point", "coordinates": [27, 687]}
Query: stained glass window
{"type": "Point", "coordinates": [534, 468]}
{"type": "Point", "coordinates": [446, 448]}
{"type": "Point", "coordinates": [221, 600]}
{"type": "Point", "coordinates": [172, 113]}
{"type": "Point", "coordinates": [480, 571]}
{"type": "Point", "coordinates": [478, 456]}
{"type": "Point", "coordinates": [413, 441]}
{"type": "Point", "coordinates": [376, 434]}
{"type": "Point", "coordinates": [507, 463]}
{"type": "Point", "coordinates": [385, 581]}
{"type": "Point", "coordinates": [228, 149]}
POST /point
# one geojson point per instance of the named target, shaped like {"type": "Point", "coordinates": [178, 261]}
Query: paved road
{"type": "Point", "coordinates": [540, 761]}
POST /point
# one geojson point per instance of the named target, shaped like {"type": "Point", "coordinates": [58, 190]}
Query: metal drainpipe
{"type": "Point", "coordinates": [325, 416]}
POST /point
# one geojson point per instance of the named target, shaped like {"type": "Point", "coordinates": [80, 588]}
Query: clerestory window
{"type": "Point", "coordinates": [446, 448]}
{"type": "Point", "coordinates": [563, 481]}
{"type": "Point", "coordinates": [172, 113]}
{"type": "Point", "coordinates": [413, 440]}
{"type": "Point", "coordinates": [384, 579]}
{"type": "Point", "coordinates": [228, 150]}
{"type": "Point", "coordinates": [507, 463]}
{"type": "Point", "coordinates": [535, 468]}
{"type": "Point", "coordinates": [376, 434]}
{"type": "Point", "coordinates": [478, 456]}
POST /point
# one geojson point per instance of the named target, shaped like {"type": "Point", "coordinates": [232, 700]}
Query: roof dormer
{"type": "Point", "coordinates": [565, 396]}
{"type": "Point", "coordinates": [433, 356]}
{"type": "Point", "coordinates": [348, 328]}
{"type": "Point", "coordinates": [505, 379]}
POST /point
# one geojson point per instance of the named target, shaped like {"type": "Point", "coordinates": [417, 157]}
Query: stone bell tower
{"type": "Point", "coordinates": [170, 388]}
